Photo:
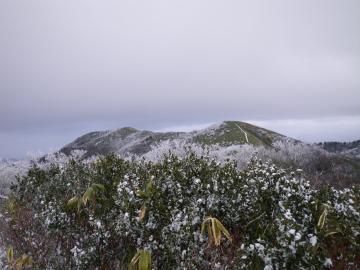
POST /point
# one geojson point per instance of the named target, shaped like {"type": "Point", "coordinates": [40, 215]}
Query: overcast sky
{"type": "Point", "coordinates": [69, 67]}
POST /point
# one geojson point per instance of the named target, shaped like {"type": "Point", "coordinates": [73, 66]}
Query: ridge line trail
{"type": "Point", "coordinates": [246, 137]}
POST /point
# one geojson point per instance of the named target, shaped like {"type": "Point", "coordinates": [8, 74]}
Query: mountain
{"type": "Point", "coordinates": [350, 149]}
{"type": "Point", "coordinates": [129, 140]}
{"type": "Point", "coordinates": [333, 163]}
{"type": "Point", "coordinates": [234, 140]}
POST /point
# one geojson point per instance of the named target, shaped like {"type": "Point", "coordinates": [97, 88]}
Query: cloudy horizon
{"type": "Point", "coordinates": [72, 67]}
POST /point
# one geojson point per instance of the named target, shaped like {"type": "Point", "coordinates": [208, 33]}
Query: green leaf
{"type": "Point", "coordinates": [10, 254]}
{"type": "Point", "coordinates": [223, 230]}
{"type": "Point", "coordinates": [91, 192]}
{"type": "Point", "coordinates": [22, 262]}
{"type": "Point", "coordinates": [99, 187]}
{"type": "Point", "coordinates": [141, 261]}
{"type": "Point", "coordinates": [89, 195]}
{"type": "Point", "coordinates": [215, 229]}
{"type": "Point", "coordinates": [331, 233]}
{"type": "Point", "coordinates": [141, 194]}
{"type": "Point", "coordinates": [216, 232]}
{"type": "Point", "coordinates": [203, 225]}
{"type": "Point", "coordinates": [322, 219]}
{"type": "Point", "coordinates": [142, 212]}
{"type": "Point", "coordinates": [149, 187]}
{"type": "Point", "coordinates": [73, 202]}
{"type": "Point", "coordinates": [134, 261]}
{"type": "Point", "coordinates": [144, 260]}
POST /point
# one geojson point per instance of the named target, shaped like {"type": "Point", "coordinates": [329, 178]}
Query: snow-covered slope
{"type": "Point", "coordinates": [139, 142]}
{"type": "Point", "coordinates": [350, 149]}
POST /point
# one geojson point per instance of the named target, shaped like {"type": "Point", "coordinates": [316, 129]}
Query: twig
{"type": "Point", "coordinates": [252, 221]}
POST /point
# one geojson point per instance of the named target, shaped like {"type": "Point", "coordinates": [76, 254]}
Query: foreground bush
{"type": "Point", "coordinates": [107, 213]}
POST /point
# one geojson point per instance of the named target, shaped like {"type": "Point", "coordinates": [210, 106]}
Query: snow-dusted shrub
{"type": "Point", "coordinates": [319, 166]}
{"type": "Point", "coordinates": [11, 169]}
{"type": "Point", "coordinates": [241, 153]}
{"type": "Point", "coordinates": [276, 219]}
{"type": "Point", "coordinates": [8, 172]}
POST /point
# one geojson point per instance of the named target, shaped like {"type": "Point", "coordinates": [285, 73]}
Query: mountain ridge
{"type": "Point", "coordinates": [135, 141]}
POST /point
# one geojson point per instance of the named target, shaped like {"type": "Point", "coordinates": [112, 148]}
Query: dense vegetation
{"type": "Point", "coordinates": [110, 212]}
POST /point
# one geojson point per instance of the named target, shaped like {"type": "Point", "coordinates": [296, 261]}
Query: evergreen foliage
{"type": "Point", "coordinates": [132, 213]}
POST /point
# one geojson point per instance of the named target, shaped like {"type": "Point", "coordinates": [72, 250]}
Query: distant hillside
{"type": "Point", "coordinates": [132, 141]}
{"type": "Point", "coordinates": [334, 163]}
{"type": "Point", "coordinates": [350, 149]}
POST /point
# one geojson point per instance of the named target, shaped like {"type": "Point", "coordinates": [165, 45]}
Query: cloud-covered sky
{"type": "Point", "coordinates": [68, 67]}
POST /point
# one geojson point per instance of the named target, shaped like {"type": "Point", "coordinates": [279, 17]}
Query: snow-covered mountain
{"type": "Point", "coordinates": [234, 140]}
{"type": "Point", "coordinates": [334, 163]}
{"type": "Point", "coordinates": [127, 141]}
{"type": "Point", "coordinates": [350, 149]}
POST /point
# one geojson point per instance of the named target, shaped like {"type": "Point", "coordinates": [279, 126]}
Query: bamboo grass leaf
{"type": "Point", "coordinates": [322, 219]}
{"type": "Point", "coordinates": [331, 233]}
{"type": "Point", "coordinates": [223, 230]}
{"type": "Point", "coordinates": [141, 261]}
{"type": "Point", "coordinates": [142, 212]}
{"type": "Point", "coordinates": [10, 254]}
{"type": "Point", "coordinates": [215, 229]}
{"type": "Point", "coordinates": [99, 187]}
{"type": "Point", "coordinates": [75, 202]}
{"type": "Point", "coordinates": [144, 260]}
{"type": "Point", "coordinates": [89, 195]}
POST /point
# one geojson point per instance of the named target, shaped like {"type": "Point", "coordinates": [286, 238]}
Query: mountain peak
{"type": "Point", "coordinates": [237, 132]}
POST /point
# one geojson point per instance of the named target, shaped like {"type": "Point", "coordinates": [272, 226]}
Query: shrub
{"type": "Point", "coordinates": [276, 219]}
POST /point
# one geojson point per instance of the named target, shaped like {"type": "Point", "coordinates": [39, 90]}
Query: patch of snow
{"type": "Point", "coordinates": [209, 130]}
{"type": "Point", "coordinates": [328, 263]}
{"type": "Point", "coordinates": [313, 240]}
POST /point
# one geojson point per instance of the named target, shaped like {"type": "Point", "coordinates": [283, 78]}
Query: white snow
{"type": "Point", "coordinates": [313, 240]}
{"type": "Point", "coordinates": [328, 263]}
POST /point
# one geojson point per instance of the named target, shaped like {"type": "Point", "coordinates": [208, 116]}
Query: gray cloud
{"type": "Point", "coordinates": [98, 64]}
